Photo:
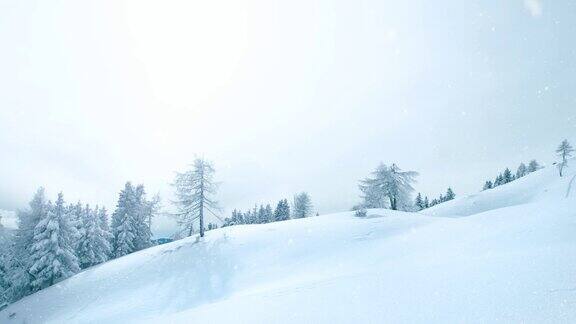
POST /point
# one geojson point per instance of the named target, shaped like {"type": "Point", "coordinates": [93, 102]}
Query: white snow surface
{"type": "Point", "coordinates": [505, 255]}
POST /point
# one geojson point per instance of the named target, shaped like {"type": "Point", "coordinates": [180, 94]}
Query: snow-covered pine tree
{"type": "Point", "coordinates": [499, 180]}
{"type": "Point", "coordinates": [487, 185]}
{"type": "Point", "coordinates": [564, 152]}
{"type": "Point", "coordinates": [105, 229]}
{"type": "Point", "coordinates": [302, 205]}
{"type": "Point", "coordinates": [195, 189]}
{"type": "Point", "coordinates": [94, 246]}
{"type": "Point", "coordinates": [449, 194]}
{"type": "Point", "coordinates": [521, 171]}
{"type": "Point", "coordinates": [255, 214]}
{"type": "Point", "coordinates": [77, 212]}
{"type": "Point", "coordinates": [143, 235]}
{"type": "Point", "coordinates": [269, 214]}
{"type": "Point", "coordinates": [123, 222]}
{"type": "Point", "coordinates": [248, 219]}
{"type": "Point", "coordinates": [391, 184]}
{"type": "Point", "coordinates": [19, 260]}
{"type": "Point", "coordinates": [53, 256]}
{"type": "Point", "coordinates": [262, 219]}
{"type": "Point", "coordinates": [507, 176]}
{"type": "Point", "coordinates": [533, 166]}
{"type": "Point", "coordinates": [419, 202]}
{"type": "Point", "coordinates": [282, 211]}
{"type": "Point", "coordinates": [426, 202]}
{"type": "Point", "coordinates": [4, 256]}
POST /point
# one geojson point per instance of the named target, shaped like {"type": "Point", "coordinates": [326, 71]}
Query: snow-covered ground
{"type": "Point", "coordinates": [505, 255]}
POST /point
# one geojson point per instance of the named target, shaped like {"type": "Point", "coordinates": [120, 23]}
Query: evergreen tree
{"type": "Point", "coordinates": [269, 214]}
{"type": "Point", "coordinates": [302, 205]}
{"type": "Point", "coordinates": [262, 218]}
{"type": "Point", "coordinates": [19, 261]}
{"type": "Point", "coordinates": [507, 176]}
{"type": "Point", "coordinates": [94, 245]}
{"type": "Point", "coordinates": [426, 202]}
{"type": "Point", "coordinates": [53, 257]}
{"type": "Point", "coordinates": [255, 215]}
{"type": "Point", "coordinates": [194, 191]}
{"type": "Point", "coordinates": [499, 180]}
{"type": "Point", "coordinates": [449, 194]}
{"type": "Point", "coordinates": [564, 151]}
{"type": "Point", "coordinates": [282, 211]}
{"type": "Point", "coordinates": [105, 230]}
{"type": "Point", "coordinates": [4, 257]}
{"type": "Point", "coordinates": [533, 166]}
{"type": "Point", "coordinates": [142, 211]}
{"type": "Point", "coordinates": [419, 202]}
{"type": "Point", "coordinates": [521, 171]}
{"type": "Point", "coordinates": [123, 222]}
{"type": "Point", "coordinates": [487, 185]}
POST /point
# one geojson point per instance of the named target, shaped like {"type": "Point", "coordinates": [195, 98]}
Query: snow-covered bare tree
{"type": "Point", "coordinates": [302, 205]}
{"type": "Point", "coordinates": [389, 183]}
{"type": "Point", "coordinates": [53, 256]}
{"type": "Point", "coordinates": [195, 190]}
{"type": "Point", "coordinates": [564, 151]}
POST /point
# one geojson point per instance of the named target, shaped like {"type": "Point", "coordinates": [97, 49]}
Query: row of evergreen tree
{"type": "Point", "coordinates": [506, 176]}
{"type": "Point", "coordinates": [55, 240]}
{"type": "Point", "coordinates": [301, 207]}
{"type": "Point", "coordinates": [423, 203]}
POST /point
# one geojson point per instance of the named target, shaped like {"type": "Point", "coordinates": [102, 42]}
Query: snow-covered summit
{"type": "Point", "coordinates": [510, 260]}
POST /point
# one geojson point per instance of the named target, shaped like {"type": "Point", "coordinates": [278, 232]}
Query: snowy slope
{"type": "Point", "coordinates": [511, 260]}
{"type": "Point", "coordinates": [542, 185]}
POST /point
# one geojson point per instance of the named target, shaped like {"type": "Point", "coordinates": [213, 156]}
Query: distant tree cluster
{"type": "Point", "coordinates": [507, 176]}
{"type": "Point", "coordinates": [55, 240]}
{"type": "Point", "coordinates": [301, 207]}
{"type": "Point", "coordinates": [423, 203]}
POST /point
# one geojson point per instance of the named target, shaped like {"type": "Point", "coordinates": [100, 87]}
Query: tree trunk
{"type": "Point", "coordinates": [202, 204]}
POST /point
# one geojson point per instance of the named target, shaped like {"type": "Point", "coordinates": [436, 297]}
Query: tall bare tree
{"type": "Point", "coordinates": [564, 151]}
{"type": "Point", "coordinates": [195, 189]}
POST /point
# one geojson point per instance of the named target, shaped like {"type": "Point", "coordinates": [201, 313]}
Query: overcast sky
{"type": "Point", "coordinates": [284, 96]}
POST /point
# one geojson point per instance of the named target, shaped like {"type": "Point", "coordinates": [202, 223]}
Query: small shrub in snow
{"type": "Point", "coordinates": [360, 212]}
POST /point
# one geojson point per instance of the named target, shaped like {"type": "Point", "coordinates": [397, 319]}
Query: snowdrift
{"type": "Point", "coordinates": [511, 259]}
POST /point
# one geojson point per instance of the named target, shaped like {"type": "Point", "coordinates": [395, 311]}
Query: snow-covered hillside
{"type": "Point", "coordinates": [511, 259]}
